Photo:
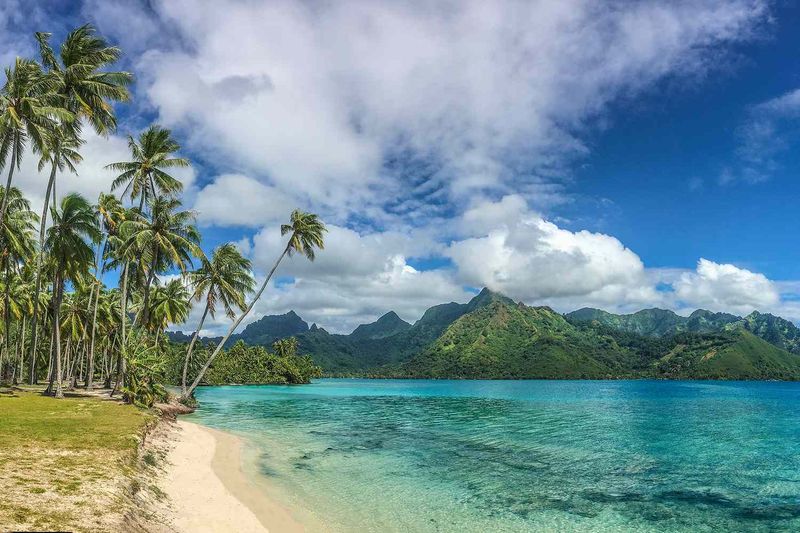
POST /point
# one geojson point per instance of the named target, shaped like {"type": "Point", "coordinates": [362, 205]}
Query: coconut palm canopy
{"type": "Point", "coordinates": [58, 309]}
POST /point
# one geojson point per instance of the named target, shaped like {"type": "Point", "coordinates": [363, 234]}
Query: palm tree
{"type": "Point", "coordinates": [61, 152]}
{"type": "Point", "coordinates": [123, 253]}
{"type": "Point", "coordinates": [144, 177]}
{"type": "Point", "coordinates": [167, 239]}
{"type": "Point", "coordinates": [306, 234]}
{"type": "Point", "coordinates": [111, 214]}
{"type": "Point", "coordinates": [86, 87]}
{"type": "Point", "coordinates": [226, 278]}
{"type": "Point", "coordinates": [16, 234]}
{"type": "Point", "coordinates": [170, 306]}
{"type": "Point", "coordinates": [28, 109]}
{"type": "Point", "coordinates": [73, 224]}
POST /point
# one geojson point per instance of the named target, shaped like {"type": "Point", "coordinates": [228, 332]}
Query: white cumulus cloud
{"type": "Point", "coordinates": [726, 287]}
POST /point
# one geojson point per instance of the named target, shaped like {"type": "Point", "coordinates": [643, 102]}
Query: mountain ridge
{"type": "Point", "coordinates": [493, 336]}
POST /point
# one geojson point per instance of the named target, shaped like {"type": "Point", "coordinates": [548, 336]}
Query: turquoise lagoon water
{"type": "Point", "coordinates": [410, 455]}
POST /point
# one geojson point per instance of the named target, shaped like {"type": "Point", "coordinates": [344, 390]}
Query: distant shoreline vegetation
{"type": "Point", "coordinates": [493, 337]}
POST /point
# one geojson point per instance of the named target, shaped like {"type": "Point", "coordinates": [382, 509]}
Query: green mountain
{"type": "Point", "coordinates": [358, 353]}
{"type": "Point", "coordinates": [268, 329]}
{"type": "Point", "coordinates": [659, 322]}
{"type": "Point", "coordinates": [502, 340]}
{"type": "Point", "coordinates": [517, 341]}
{"type": "Point", "coordinates": [773, 329]}
{"type": "Point", "coordinates": [386, 326]}
{"type": "Point", "coordinates": [737, 354]}
{"type": "Point", "coordinates": [493, 337]}
{"type": "Point", "coordinates": [652, 322]}
{"type": "Point", "coordinates": [655, 322]}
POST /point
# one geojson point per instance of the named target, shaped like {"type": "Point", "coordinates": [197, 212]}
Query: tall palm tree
{"type": "Point", "coordinates": [167, 239]}
{"type": "Point", "coordinates": [226, 279]}
{"type": "Point", "coordinates": [111, 214]}
{"type": "Point", "coordinates": [82, 80]}
{"type": "Point", "coordinates": [74, 224]}
{"type": "Point", "coordinates": [122, 254]}
{"type": "Point", "coordinates": [61, 152]}
{"type": "Point", "coordinates": [306, 232]}
{"type": "Point", "coordinates": [144, 177]}
{"type": "Point", "coordinates": [29, 108]}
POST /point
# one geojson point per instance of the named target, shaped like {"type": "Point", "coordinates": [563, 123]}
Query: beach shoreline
{"type": "Point", "coordinates": [208, 490]}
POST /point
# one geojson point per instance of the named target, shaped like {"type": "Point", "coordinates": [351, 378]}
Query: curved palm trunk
{"type": "Point", "coordinates": [191, 347]}
{"type": "Point", "coordinates": [34, 336]}
{"type": "Point", "coordinates": [14, 162]}
{"type": "Point", "coordinates": [186, 395]}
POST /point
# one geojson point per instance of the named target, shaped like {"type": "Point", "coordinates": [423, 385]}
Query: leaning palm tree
{"type": "Point", "coordinates": [82, 80]}
{"type": "Point", "coordinates": [74, 224]}
{"type": "Point", "coordinates": [225, 279]}
{"type": "Point", "coordinates": [29, 108]}
{"type": "Point", "coordinates": [167, 239]}
{"type": "Point", "coordinates": [144, 177]}
{"type": "Point", "coordinates": [61, 153]}
{"type": "Point", "coordinates": [306, 234]}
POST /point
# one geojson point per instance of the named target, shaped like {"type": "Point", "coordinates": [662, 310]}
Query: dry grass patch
{"type": "Point", "coordinates": [64, 463]}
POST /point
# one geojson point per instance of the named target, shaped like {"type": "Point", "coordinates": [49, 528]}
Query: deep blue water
{"type": "Point", "coordinates": [413, 455]}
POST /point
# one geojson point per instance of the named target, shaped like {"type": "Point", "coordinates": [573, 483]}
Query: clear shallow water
{"type": "Point", "coordinates": [409, 455]}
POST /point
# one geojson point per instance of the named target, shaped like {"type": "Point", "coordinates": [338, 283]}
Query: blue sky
{"type": "Point", "coordinates": [622, 155]}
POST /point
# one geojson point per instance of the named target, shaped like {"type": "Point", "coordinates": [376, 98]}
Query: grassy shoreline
{"type": "Point", "coordinates": [68, 464]}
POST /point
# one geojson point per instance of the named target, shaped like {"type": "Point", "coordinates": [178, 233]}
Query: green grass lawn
{"type": "Point", "coordinates": [64, 464]}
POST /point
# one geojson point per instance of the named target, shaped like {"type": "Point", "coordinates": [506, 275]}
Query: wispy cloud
{"type": "Point", "coordinates": [770, 130]}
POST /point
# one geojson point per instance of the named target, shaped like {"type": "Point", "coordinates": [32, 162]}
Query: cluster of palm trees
{"type": "Point", "coordinates": [58, 314]}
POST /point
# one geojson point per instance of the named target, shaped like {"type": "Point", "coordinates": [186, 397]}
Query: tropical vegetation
{"type": "Point", "coordinates": [88, 288]}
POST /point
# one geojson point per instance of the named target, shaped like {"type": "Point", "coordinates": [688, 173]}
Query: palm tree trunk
{"type": "Point", "coordinates": [69, 360]}
{"type": "Point", "coordinates": [20, 352]}
{"type": "Point", "coordinates": [145, 313]}
{"type": "Point", "coordinates": [57, 329]}
{"type": "Point", "coordinates": [13, 163]}
{"type": "Point", "coordinates": [50, 365]}
{"type": "Point", "coordinates": [90, 370]}
{"type": "Point", "coordinates": [191, 347]}
{"type": "Point", "coordinates": [186, 395]}
{"type": "Point", "coordinates": [42, 224]}
{"type": "Point", "coordinates": [7, 300]}
{"type": "Point", "coordinates": [124, 311]}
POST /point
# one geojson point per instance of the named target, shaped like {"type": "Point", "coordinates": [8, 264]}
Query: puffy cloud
{"type": "Point", "coordinates": [354, 280]}
{"type": "Point", "coordinates": [323, 100]}
{"type": "Point", "coordinates": [725, 287]}
{"type": "Point", "coordinates": [526, 257]}
{"type": "Point", "coordinates": [238, 200]}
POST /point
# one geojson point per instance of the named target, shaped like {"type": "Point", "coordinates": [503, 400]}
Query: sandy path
{"type": "Point", "coordinates": [209, 491]}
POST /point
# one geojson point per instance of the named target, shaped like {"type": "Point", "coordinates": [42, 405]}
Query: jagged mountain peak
{"type": "Point", "coordinates": [486, 297]}
{"type": "Point", "coordinates": [387, 325]}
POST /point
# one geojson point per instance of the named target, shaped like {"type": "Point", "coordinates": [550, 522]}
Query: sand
{"type": "Point", "coordinates": [208, 491]}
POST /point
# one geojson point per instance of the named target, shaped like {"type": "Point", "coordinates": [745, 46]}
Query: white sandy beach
{"type": "Point", "coordinates": [208, 490]}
